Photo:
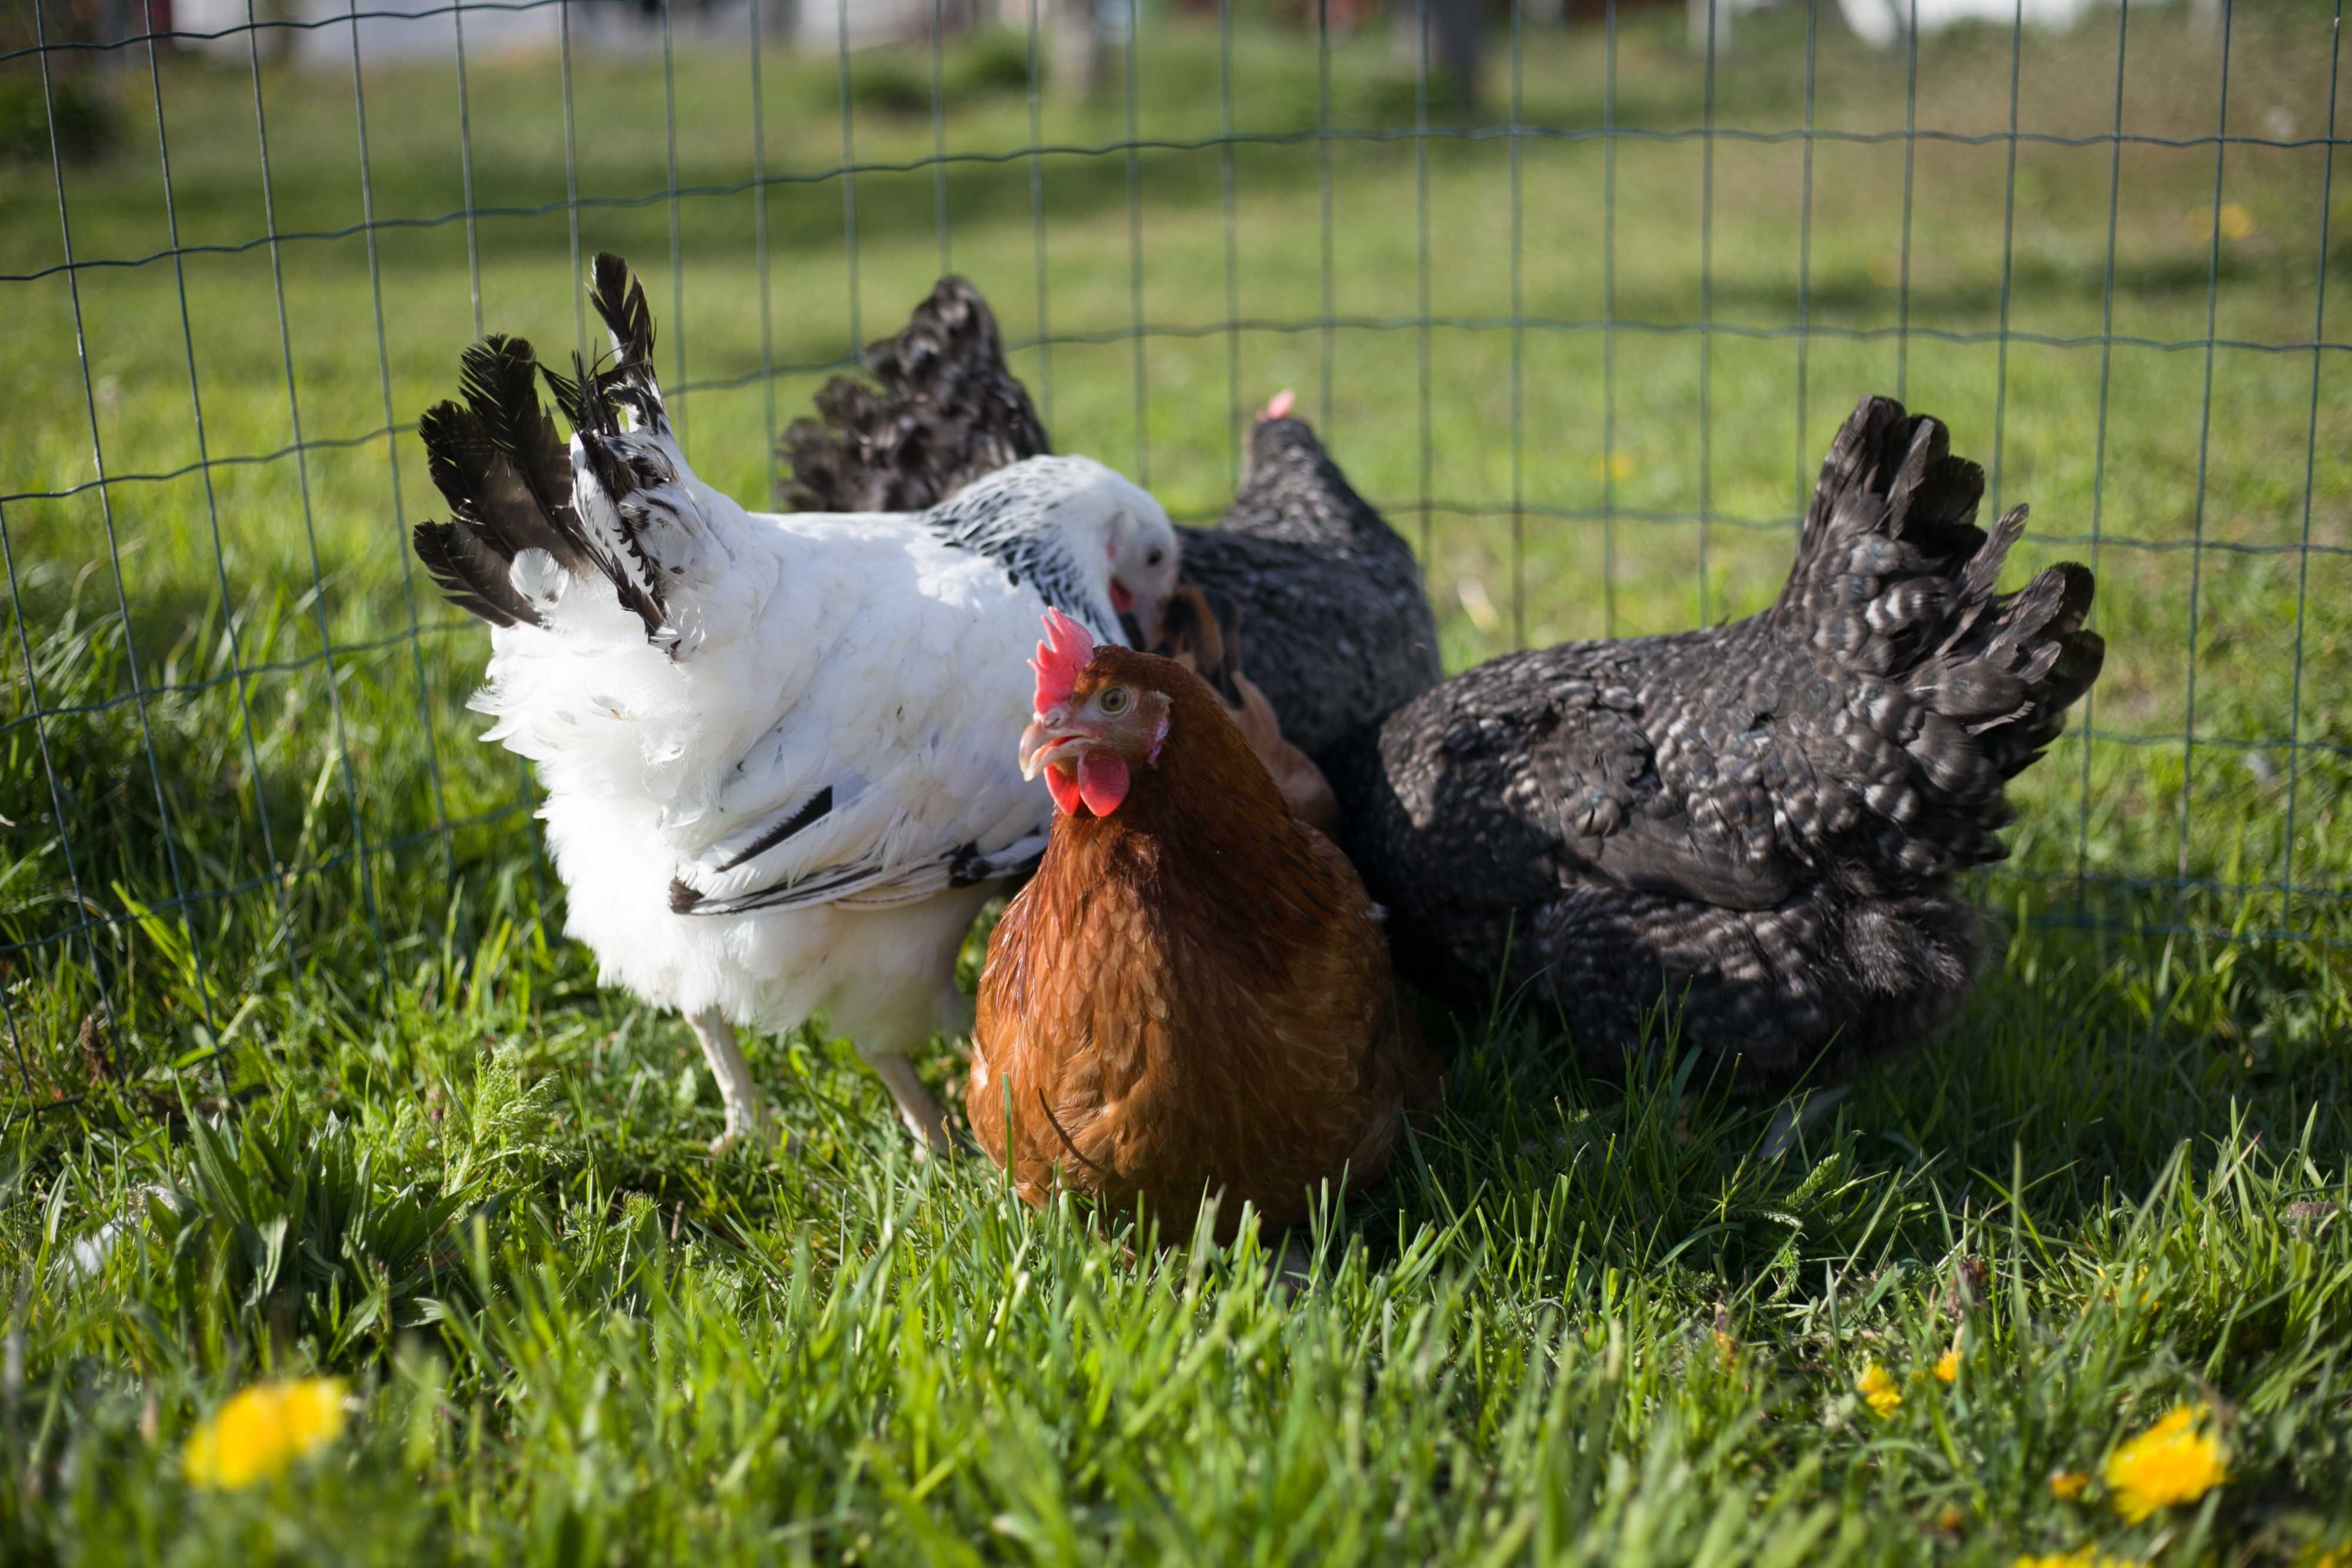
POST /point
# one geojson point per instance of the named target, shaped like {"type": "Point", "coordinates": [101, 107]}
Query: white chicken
{"type": "Point", "coordinates": [774, 746]}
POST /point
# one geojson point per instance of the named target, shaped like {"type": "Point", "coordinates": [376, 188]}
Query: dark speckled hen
{"type": "Point", "coordinates": [1759, 824]}
{"type": "Point", "coordinates": [1330, 598]}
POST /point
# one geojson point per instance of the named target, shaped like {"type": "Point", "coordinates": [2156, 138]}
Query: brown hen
{"type": "Point", "coordinates": [1192, 998]}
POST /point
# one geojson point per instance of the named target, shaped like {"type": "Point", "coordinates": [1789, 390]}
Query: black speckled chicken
{"type": "Point", "coordinates": [1758, 823]}
{"type": "Point", "coordinates": [1329, 597]}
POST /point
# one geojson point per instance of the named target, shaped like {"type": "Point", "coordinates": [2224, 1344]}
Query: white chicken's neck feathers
{"type": "Point", "coordinates": [1009, 518]}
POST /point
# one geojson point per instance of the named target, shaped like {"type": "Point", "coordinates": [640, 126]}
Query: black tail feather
{"type": "Point", "coordinates": [471, 574]}
{"type": "Point", "coordinates": [516, 471]}
{"type": "Point", "coordinates": [947, 412]}
{"type": "Point", "coordinates": [568, 394]}
{"type": "Point", "coordinates": [1895, 581]}
{"type": "Point", "coordinates": [2038, 633]}
{"type": "Point", "coordinates": [620, 302]}
{"type": "Point", "coordinates": [496, 377]}
{"type": "Point", "coordinates": [507, 476]}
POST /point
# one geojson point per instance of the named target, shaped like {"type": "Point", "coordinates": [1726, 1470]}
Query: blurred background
{"type": "Point", "coordinates": [1576, 291]}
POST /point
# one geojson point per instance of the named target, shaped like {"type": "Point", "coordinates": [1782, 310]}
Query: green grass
{"type": "Point", "coordinates": [353, 1105]}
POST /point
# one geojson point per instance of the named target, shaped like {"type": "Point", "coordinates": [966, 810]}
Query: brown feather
{"type": "Point", "coordinates": [1192, 997]}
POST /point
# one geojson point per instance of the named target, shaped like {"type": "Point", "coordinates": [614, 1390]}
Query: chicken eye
{"type": "Point", "coordinates": [1153, 559]}
{"type": "Point", "coordinates": [1114, 701]}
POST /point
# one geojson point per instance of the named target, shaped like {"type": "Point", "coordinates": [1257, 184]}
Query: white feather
{"type": "Point", "coordinates": [863, 654]}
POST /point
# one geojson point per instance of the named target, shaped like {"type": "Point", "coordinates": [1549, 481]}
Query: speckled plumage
{"type": "Point", "coordinates": [1759, 823]}
{"type": "Point", "coordinates": [949, 411]}
{"type": "Point", "coordinates": [1329, 597]}
{"type": "Point", "coordinates": [1331, 604]}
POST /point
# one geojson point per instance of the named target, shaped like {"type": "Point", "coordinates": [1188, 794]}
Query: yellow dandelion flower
{"type": "Point", "coordinates": [2172, 1462]}
{"type": "Point", "coordinates": [1617, 465]}
{"type": "Point", "coordinates": [2067, 1484]}
{"type": "Point", "coordinates": [1949, 1519]}
{"type": "Point", "coordinates": [1879, 1391]}
{"type": "Point", "coordinates": [263, 1430]}
{"type": "Point", "coordinates": [2084, 1556]}
{"type": "Point", "coordinates": [1948, 1367]}
{"type": "Point", "coordinates": [2235, 222]}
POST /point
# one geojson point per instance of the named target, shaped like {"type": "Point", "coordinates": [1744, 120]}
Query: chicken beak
{"type": "Point", "coordinates": [1033, 740]}
{"type": "Point", "coordinates": [1049, 739]}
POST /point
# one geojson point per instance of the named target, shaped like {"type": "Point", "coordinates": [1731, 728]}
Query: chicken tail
{"type": "Point", "coordinates": [528, 516]}
{"type": "Point", "coordinates": [947, 412]}
{"type": "Point", "coordinates": [1894, 579]}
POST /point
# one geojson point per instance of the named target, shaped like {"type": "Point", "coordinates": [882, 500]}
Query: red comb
{"type": "Point", "coordinates": [1064, 653]}
{"type": "Point", "coordinates": [1280, 407]}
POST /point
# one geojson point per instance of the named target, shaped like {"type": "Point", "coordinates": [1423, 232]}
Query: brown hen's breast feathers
{"type": "Point", "coordinates": [1192, 995]}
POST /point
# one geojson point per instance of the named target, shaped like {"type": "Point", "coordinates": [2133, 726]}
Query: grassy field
{"type": "Point", "coordinates": [303, 1077]}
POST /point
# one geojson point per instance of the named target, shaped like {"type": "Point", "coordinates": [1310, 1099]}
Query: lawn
{"type": "Point", "coordinates": [302, 1077]}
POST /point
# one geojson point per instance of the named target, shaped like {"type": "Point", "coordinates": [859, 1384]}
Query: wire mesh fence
{"type": "Point", "coordinates": [1582, 324]}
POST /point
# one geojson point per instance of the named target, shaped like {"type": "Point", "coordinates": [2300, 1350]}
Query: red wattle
{"type": "Point", "coordinates": [1121, 599]}
{"type": "Point", "coordinates": [1102, 781]}
{"type": "Point", "coordinates": [1064, 787]}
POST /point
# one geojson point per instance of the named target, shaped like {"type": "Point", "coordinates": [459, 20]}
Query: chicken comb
{"type": "Point", "coordinates": [1064, 653]}
{"type": "Point", "coordinates": [1279, 408]}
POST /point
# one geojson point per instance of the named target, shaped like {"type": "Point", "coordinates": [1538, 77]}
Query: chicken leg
{"type": "Point", "coordinates": [744, 1113]}
{"type": "Point", "coordinates": [918, 1106]}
